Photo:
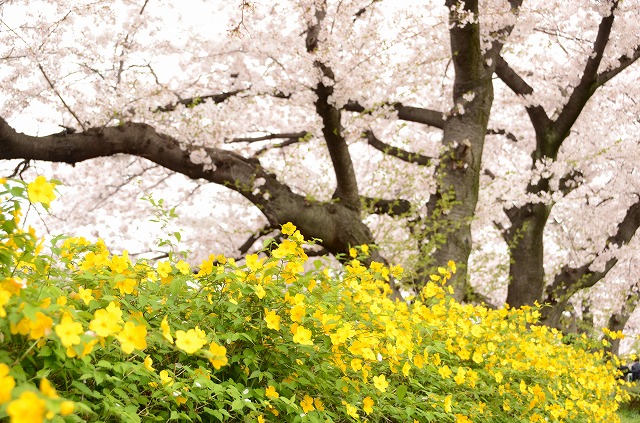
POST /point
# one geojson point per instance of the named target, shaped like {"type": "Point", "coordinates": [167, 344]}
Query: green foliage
{"type": "Point", "coordinates": [87, 335]}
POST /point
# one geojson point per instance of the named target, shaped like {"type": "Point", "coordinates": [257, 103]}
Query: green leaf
{"type": "Point", "coordinates": [104, 363]}
{"type": "Point", "coordinates": [45, 351]}
{"type": "Point", "coordinates": [85, 390]}
{"type": "Point", "coordinates": [237, 405]}
{"type": "Point", "coordinates": [215, 413]}
{"type": "Point", "coordinates": [401, 391]}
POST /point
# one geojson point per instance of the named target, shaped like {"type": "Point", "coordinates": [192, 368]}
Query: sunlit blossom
{"type": "Point", "coordinates": [41, 191]}
{"type": "Point", "coordinates": [191, 340]}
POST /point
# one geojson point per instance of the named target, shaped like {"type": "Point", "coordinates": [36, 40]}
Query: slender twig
{"type": "Point", "coordinates": [60, 97]}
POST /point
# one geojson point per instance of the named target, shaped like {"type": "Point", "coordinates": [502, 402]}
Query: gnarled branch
{"type": "Point", "coordinates": [572, 279]}
{"type": "Point", "coordinates": [397, 152]}
{"type": "Point", "coordinates": [395, 207]}
{"type": "Point", "coordinates": [194, 101]}
{"type": "Point", "coordinates": [408, 113]}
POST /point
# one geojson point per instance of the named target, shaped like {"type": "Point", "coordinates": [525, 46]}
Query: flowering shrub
{"type": "Point", "coordinates": [86, 335]}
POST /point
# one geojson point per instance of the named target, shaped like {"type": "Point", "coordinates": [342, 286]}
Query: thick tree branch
{"type": "Point", "coordinates": [508, 135]}
{"type": "Point", "coordinates": [570, 280]}
{"type": "Point", "coordinates": [427, 117]}
{"type": "Point", "coordinates": [408, 113]}
{"type": "Point", "coordinates": [588, 83]}
{"type": "Point", "coordinates": [396, 207]}
{"type": "Point", "coordinates": [362, 10]}
{"type": "Point", "coordinates": [194, 101]}
{"type": "Point", "coordinates": [244, 248]}
{"type": "Point", "coordinates": [346, 182]}
{"type": "Point", "coordinates": [282, 144]}
{"type": "Point", "coordinates": [625, 62]}
{"type": "Point", "coordinates": [397, 152]}
{"type": "Point", "coordinates": [290, 139]}
{"type": "Point", "coordinates": [338, 226]}
{"type": "Point", "coordinates": [570, 181]}
{"type": "Point", "coordinates": [520, 87]}
{"type": "Point", "coordinates": [287, 135]}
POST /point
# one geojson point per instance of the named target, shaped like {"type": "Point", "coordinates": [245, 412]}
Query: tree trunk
{"type": "Point", "coordinates": [526, 253]}
{"type": "Point", "coordinates": [463, 141]}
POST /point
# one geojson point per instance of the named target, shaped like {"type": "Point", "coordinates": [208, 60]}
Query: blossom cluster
{"type": "Point", "coordinates": [93, 335]}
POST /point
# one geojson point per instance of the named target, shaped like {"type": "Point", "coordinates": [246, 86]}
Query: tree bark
{"type": "Point", "coordinates": [571, 280]}
{"type": "Point", "coordinates": [526, 236]}
{"type": "Point", "coordinates": [526, 250]}
{"type": "Point", "coordinates": [464, 133]}
{"type": "Point", "coordinates": [338, 226]}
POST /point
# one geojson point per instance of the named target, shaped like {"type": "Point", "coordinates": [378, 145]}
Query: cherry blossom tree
{"type": "Point", "coordinates": [362, 122]}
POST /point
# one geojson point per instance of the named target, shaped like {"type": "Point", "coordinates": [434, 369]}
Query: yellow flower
{"type": "Point", "coordinates": [431, 290]}
{"type": "Point", "coordinates": [7, 383]}
{"type": "Point", "coordinates": [219, 353]}
{"type": "Point", "coordinates": [297, 313]}
{"type": "Point", "coordinates": [183, 267]}
{"type": "Point", "coordinates": [165, 378]}
{"type": "Point", "coordinates": [4, 299]}
{"type": "Point", "coordinates": [271, 392]}
{"type": "Point", "coordinates": [452, 266]}
{"type": "Point", "coordinates": [477, 356]}
{"type": "Point", "coordinates": [166, 330]}
{"type": "Point", "coordinates": [29, 408]}
{"type": "Point", "coordinates": [120, 264]}
{"type": "Point", "coordinates": [302, 336]}
{"type": "Point", "coordinates": [418, 361]}
{"type": "Point", "coordinates": [254, 262]}
{"type": "Point", "coordinates": [126, 285]}
{"type": "Point", "coordinates": [260, 419]}
{"type": "Point", "coordinates": [41, 326]}
{"type": "Point", "coordinates": [86, 349]}
{"type": "Point", "coordinates": [380, 382]}
{"type": "Point", "coordinates": [164, 269]}
{"type": "Point", "coordinates": [445, 371]}
{"type": "Point", "coordinates": [356, 364]}
{"type": "Point", "coordinates": [47, 389]}
{"type": "Point", "coordinates": [22, 327]}
{"type": "Point", "coordinates": [463, 419]}
{"type": "Point", "coordinates": [288, 228]}
{"type": "Point", "coordinates": [460, 376]}
{"type": "Point", "coordinates": [191, 340]}
{"type": "Point", "coordinates": [41, 191]}
{"type": "Point", "coordinates": [498, 376]}
{"type": "Point", "coordinates": [69, 331]}
{"type": "Point", "coordinates": [272, 319]}
{"type": "Point", "coordinates": [307, 404]}
{"type": "Point", "coordinates": [447, 404]}
{"type": "Point", "coordinates": [312, 284]}
{"type": "Point", "coordinates": [406, 368]}
{"type": "Point", "coordinates": [318, 403]}
{"type": "Point", "coordinates": [260, 292]}
{"type": "Point", "coordinates": [104, 323]}
{"type": "Point", "coordinates": [67, 407]}
{"type": "Point", "coordinates": [351, 410]}
{"type": "Point", "coordinates": [132, 337]}
{"type": "Point", "coordinates": [367, 405]}
{"type": "Point", "coordinates": [148, 363]}
{"type": "Point", "coordinates": [287, 248]}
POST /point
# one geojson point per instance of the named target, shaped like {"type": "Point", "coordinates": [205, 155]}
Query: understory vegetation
{"type": "Point", "coordinates": [88, 335]}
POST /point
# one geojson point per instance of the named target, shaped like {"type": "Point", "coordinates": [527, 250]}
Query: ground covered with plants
{"type": "Point", "coordinates": [87, 335]}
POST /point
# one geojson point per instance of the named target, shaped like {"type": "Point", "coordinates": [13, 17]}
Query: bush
{"type": "Point", "coordinates": [86, 335]}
